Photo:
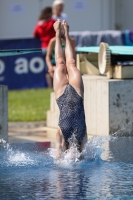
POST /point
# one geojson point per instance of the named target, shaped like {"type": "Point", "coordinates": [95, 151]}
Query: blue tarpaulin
{"type": "Point", "coordinates": [24, 70]}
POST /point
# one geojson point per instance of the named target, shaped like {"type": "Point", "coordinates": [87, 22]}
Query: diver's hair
{"type": "Point", "coordinates": [45, 13]}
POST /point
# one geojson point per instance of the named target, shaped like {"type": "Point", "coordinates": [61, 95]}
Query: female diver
{"type": "Point", "coordinates": [69, 91]}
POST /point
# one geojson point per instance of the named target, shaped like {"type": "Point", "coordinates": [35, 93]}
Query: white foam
{"type": "Point", "coordinates": [126, 130]}
{"type": "Point", "coordinates": [19, 159]}
{"type": "Point", "coordinates": [15, 157]}
{"type": "Point", "coordinates": [91, 151]}
{"type": "Point", "coordinates": [4, 143]}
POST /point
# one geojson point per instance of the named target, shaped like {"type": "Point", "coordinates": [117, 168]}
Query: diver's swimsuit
{"type": "Point", "coordinates": [72, 117]}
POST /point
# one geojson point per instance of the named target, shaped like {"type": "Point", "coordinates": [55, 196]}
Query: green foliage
{"type": "Point", "coordinates": [28, 105]}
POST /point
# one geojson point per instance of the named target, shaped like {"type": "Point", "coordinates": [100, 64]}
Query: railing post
{"type": "Point", "coordinates": [3, 113]}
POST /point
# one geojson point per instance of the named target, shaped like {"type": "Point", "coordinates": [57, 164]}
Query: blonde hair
{"type": "Point", "coordinates": [57, 2]}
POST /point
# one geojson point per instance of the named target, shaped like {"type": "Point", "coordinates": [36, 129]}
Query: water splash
{"type": "Point", "coordinates": [91, 151]}
{"type": "Point", "coordinates": [126, 130]}
{"type": "Point", "coordinates": [94, 149]}
{"type": "Point", "coordinates": [4, 143]}
{"type": "Point", "coordinates": [14, 157]}
{"type": "Point", "coordinates": [19, 159]}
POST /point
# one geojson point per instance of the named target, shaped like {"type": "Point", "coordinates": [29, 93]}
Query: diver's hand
{"type": "Point", "coordinates": [51, 71]}
{"type": "Point", "coordinates": [58, 155]}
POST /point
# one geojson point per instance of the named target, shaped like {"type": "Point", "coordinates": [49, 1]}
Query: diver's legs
{"type": "Point", "coordinates": [74, 75]}
{"type": "Point", "coordinates": [60, 82]}
{"type": "Point", "coordinates": [60, 79]}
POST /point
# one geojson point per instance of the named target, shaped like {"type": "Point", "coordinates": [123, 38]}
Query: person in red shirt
{"type": "Point", "coordinates": [45, 31]}
{"type": "Point", "coordinates": [44, 28]}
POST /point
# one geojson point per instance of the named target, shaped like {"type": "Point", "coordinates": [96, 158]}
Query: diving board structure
{"type": "Point", "coordinates": [113, 61]}
{"type": "Point", "coordinates": [108, 89]}
{"type": "Point", "coordinates": [15, 52]}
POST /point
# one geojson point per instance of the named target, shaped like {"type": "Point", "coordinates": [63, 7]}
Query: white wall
{"type": "Point", "coordinates": [21, 24]}
{"type": "Point", "coordinates": [108, 14]}
{"type": "Point", "coordinates": [124, 14]}
{"type": "Point", "coordinates": [96, 15]}
{"type": "Point", "coordinates": [86, 19]}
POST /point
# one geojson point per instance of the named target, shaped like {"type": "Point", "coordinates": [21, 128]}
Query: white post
{"type": "Point", "coordinates": [3, 112]}
{"type": "Point", "coordinates": [108, 104]}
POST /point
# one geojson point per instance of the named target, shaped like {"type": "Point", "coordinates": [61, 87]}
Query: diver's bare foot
{"type": "Point", "coordinates": [57, 27]}
{"type": "Point", "coordinates": [66, 28]}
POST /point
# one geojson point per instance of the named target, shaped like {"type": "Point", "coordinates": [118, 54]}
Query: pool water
{"type": "Point", "coordinates": [29, 171]}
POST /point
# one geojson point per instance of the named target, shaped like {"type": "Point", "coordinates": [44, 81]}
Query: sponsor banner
{"type": "Point", "coordinates": [22, 71]}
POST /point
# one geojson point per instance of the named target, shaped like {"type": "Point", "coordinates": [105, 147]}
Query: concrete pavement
{"type": "Point", "coordinates": [21, 132]}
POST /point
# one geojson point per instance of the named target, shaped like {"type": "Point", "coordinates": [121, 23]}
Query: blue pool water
{"type": "Point", "coordinates": [31, 172]}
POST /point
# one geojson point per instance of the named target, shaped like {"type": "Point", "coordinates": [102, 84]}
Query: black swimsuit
{"type": "Point", "coordinates": [72, 117]}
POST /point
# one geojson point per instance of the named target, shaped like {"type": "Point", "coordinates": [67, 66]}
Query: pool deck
{"type": "Point", "coordinates": [21, 132]}
{"type": "Point", "coordinates": [25, 132]}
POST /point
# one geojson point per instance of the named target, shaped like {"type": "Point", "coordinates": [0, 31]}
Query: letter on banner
{"type": "Point", "coordinates": [2, 67]}
{"type": "Point", "coordinates": [21, 66]}
{"type": "Point", "coordinates": [39, 62]}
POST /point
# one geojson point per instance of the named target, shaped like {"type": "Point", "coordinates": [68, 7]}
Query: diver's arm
{"type": "Point", "coordinates": [73, 46]}
{"type": "Point", "coordinates": [49, 54]}
{"type": "Point", "coordinates": [58, 144]}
